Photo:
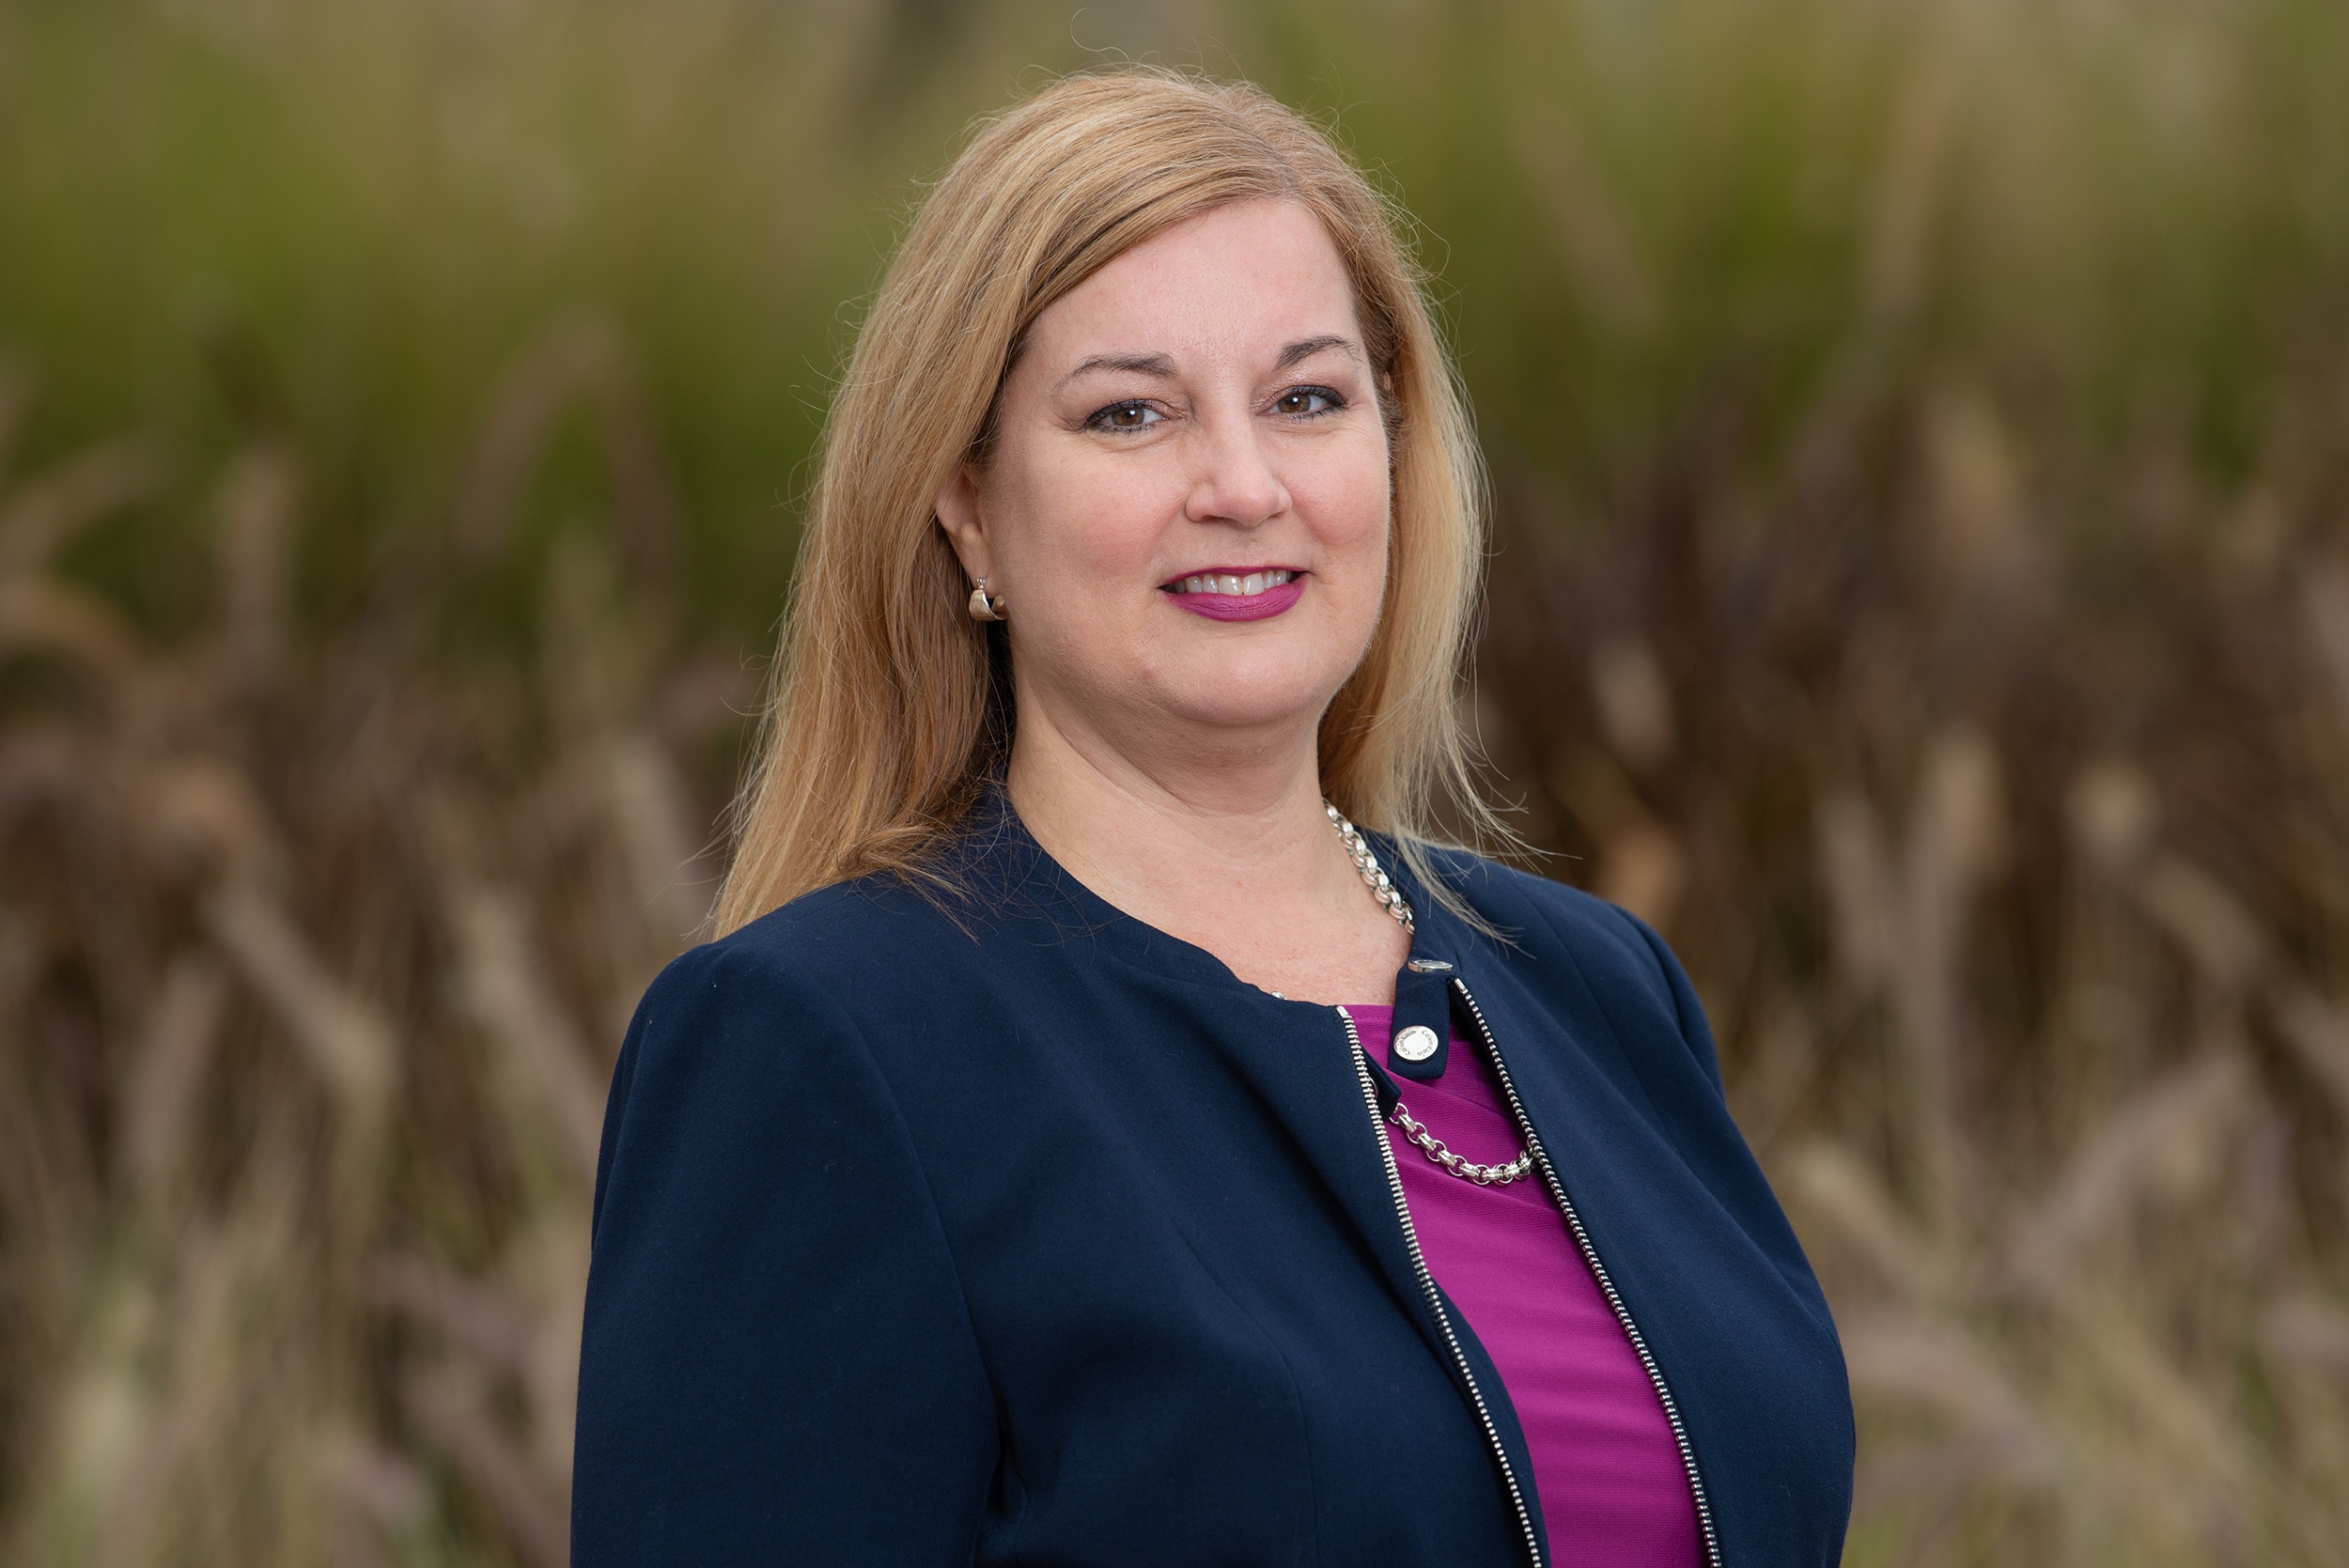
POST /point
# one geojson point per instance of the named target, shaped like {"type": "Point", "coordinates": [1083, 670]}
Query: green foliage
{"type": "Point", "coordinates": [340, 222]}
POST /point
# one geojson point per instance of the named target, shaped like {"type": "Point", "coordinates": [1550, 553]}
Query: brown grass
{"type": "Point", "coordinates": [313, 952]}
{"type": "Point", "coordinates": [2015, 869]}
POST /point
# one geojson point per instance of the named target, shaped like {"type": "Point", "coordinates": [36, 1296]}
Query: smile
{"type": "Point", "coordinates": [1230, 584]}
{"type": "Point", "coordinates": [1251, 595]}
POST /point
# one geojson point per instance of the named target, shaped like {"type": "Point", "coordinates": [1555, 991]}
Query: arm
{"type": "Point", "coordinates": [777, 1366]}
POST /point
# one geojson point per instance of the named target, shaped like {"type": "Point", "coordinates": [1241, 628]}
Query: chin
{"type": "Point", "coordinates": [1237, 702]}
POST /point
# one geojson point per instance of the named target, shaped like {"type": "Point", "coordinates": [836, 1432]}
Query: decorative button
{"type": "Point", "coordinates": [1416, 1044]}
{"type": "Point", "coordinates": [1428, 965]}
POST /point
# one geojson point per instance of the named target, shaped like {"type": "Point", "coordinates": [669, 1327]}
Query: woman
{"type": "Point", "coordinates": [1052, 1162]}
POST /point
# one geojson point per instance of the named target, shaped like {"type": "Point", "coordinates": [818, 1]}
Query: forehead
{"type": "Point", "coordinates": [1242, 279]}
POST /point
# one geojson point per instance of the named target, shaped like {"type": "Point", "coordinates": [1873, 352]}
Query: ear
{"type": "Point", "coordinates": [958, 520]}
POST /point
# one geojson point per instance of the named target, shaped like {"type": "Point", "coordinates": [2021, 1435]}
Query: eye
{"type": "Point", "coordinates": [1306, 401]}
{"type": "Point", "coordinates": [1133, 415]}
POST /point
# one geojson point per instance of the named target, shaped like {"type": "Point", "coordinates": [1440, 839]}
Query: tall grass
{"type": "Point", "coordinates": [1920, 435]}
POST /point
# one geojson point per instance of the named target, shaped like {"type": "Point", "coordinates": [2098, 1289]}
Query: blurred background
{"type": "Point", "coordinates": [1920, 432]}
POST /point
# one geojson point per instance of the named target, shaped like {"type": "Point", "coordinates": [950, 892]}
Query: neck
{"type": "Point", "coordinates": [1220, 840]}
{"type": "Point", "coordinates": [1226, 806]}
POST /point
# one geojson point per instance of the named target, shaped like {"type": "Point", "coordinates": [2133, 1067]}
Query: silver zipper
{"type": "Point", "coordinates": [1435, 1300]}
{"type": "Point", "coordinates": [1598, 1269]}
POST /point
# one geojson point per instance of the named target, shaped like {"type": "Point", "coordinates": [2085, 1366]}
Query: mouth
{"type": "Point", "coordinates": [1239, 583]}
{"type": "Point", "coordinates": [1240, 593]}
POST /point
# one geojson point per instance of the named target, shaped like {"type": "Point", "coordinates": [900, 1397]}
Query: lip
{"type": "Point", "coordinates": [1241, 606]}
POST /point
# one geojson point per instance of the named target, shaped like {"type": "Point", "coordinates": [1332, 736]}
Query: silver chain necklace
{"type": "Point", "coordinates": [1367, 864]}
{"type": "Point", "coordinates": [1389, 895]}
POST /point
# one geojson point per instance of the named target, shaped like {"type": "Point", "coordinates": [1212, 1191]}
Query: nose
{"type": "Point", "coordinates": [1232, 481]}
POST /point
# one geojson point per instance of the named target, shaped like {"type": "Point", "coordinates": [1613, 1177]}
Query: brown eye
{"type": "Point", "coordinates": [1305, 400]}
{"type": "Point", "coordinates": [1126, 416]}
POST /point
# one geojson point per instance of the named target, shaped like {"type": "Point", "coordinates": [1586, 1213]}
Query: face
{"type": "Point", "coordinates": [1184, 507]}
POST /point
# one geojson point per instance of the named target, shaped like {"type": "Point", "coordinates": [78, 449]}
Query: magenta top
{"type": "Point", "coordinates": [1613, 1490]}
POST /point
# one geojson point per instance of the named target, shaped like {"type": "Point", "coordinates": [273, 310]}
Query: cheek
{"type": "Point", "coordinates": [1349, 505]}
{"type": "Point", "coordinates": [1075, 519]}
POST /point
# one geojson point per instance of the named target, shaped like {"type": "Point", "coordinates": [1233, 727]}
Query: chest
{"type": "Point", "coordinates": [1178, 1292]}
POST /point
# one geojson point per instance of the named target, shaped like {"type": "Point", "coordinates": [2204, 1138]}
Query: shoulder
{"type": "Point", "coordinates": [819, 952]}
{"type": "Point", "coordinates": [743, 1035]}
{"type": "Point", "coordinates": [1547, 924]}
{"type": "Point", "coordinates": [766, 1000]}
{"type": "Point", "coordinates": [1534, 912]}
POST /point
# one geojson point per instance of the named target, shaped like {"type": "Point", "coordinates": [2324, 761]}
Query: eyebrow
{"type": "Point", "coordinates": [1304, 348]}
{"type": "Point", "coordinates": [1156, 365]}
{"type": "Point", "coordinates": [1162, 367]}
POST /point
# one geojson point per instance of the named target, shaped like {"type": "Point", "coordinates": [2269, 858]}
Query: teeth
{"type": "Point", "coordinates": [1234, 586]}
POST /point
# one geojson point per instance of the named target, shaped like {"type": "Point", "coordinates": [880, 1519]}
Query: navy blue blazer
{"type": "Point", "coordinates": [1020, 1231]}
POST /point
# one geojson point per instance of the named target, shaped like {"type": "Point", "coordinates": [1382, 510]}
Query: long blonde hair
{"type": "Point", "coordinates": [890, 707]}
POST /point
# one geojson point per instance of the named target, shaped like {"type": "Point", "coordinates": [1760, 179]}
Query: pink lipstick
{"type": "Point", "coordinates": [1206, 593]}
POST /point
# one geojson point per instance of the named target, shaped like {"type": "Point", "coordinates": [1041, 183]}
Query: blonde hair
{"type": "Point", "coordinates": [890, 707]}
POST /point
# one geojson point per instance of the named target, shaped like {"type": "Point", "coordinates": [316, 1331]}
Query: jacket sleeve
{"type": "Point", "coordinates": [1627, 951]}
{"type": "Point", "coordinates": [1694, 1028]}
{"type": "Point", "coordinates": [777, 1365]}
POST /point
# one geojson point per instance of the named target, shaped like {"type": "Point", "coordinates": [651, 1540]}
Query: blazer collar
{"type": "Point", "coordinates": [1011, 875]}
